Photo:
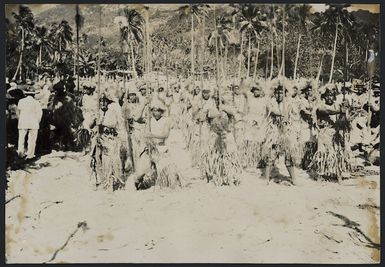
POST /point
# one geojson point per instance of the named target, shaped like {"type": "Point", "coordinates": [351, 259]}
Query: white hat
{"type": "Point", "coordinates": [13, 86]}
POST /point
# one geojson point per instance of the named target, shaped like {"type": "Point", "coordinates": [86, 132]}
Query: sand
{"type": "Point", "coordinates": [313, 222]}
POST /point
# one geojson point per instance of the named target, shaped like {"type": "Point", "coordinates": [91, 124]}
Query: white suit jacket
{"type": "Point", "coordinates": [30, 113]}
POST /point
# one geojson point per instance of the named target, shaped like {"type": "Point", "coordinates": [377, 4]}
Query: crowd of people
{"type": "Point", "coordinates": [228, 127]}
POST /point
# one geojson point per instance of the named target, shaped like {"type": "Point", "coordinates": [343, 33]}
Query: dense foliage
{"type": "Point", "coordinates": [230, 40]}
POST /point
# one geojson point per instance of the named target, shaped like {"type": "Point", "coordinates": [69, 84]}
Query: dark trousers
{"type": "Point", "coordinates": [12, 131]}
{"type": "Point", "coordinates": [43, 145]}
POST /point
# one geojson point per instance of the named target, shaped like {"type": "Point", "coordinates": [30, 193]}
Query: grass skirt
{"type": "Point", "coordinates": [220, 163]}
{"type": "Point", "coordinates": [278, 142]}
{"type": "Point", "coordinates": [250, 153]}
{"type": "Point", "coordinates": [330, 159]}
{"type": "Point", "coordinates": [160, 170]}
{"type": "Point", "coordinates": [108, 161]}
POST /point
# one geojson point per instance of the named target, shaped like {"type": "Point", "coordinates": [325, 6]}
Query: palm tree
{"type": "Point", "coordinates": [366, 37]}
{"type": "Point", "coordinates": [335, 16]}
{"type": "Point", "coordinates": [299, 14]}
{"type": "Point", "coordinates": [221, 36]}
{"type": "Point", "coordinates": [270, 20]}
{"type": "Point", "coordinates": [251, 24]}
{"type": "Point", "coordinates": [62, 33]}
{"type": "Point", "coordinates": [43, 42]}
{"type": "Point", "coordinates": [193, 11]}
{"type": "Point", "coordinates": [79, 21]}
{"type": "Point", "coordinates": [25, 23]}
{"type": "Point", "coordinates": [132, 33]}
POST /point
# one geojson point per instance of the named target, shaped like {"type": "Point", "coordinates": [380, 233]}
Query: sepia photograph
{"type": "Point", "coordinates": [192, 133]}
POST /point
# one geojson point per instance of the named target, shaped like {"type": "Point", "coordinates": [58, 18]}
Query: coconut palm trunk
{"type": "Point", "coordinates": [320, 68]}
{"type": "Point", "coordinates": [366, 56]}
{"type": "Point", "coordinates": [99, 46]}
{"type": "Point", "coordinates": [192, 44]}
{"type": "Point", "coordinates": [267, 64]}
{"type": "Point", "coordinates": [240, 57]}
{"type": "Point", "coordinates": [334, 53]}
{"type": "Point", "coordinates": [248, 56]}
{"type": "Point", "coordinates": [296, 58]}
{"type": "Point", "coordinates": [272, 58]}
{"type": "Point", "coordinates": [221, 56]}
{"type": "Point", "coordinates": [282, 68]}
{"type": "Point", "coordinates": [226, 55]}
{"type": "Point", "coordinates": [133, 60]}
{"type": "Point", "coordinates": [147, 42]}
{"type": "Point", "coordinates": [216, 58]}
{"type": "Point", "coordinates": [40, 53]}
{"type": "Point", "coordinates": [77, 21]}
{"type": "Point", "coordinates": [256, 61]}
{"type": "Point", "coordinates": [20, 64]}
{"type": "Point", "coordinates": [202, 49]}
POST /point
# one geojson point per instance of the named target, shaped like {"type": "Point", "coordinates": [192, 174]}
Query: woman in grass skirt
{"type": "Point", "coordinates": [307, 138]}
{"type": "Point", "coordinates": [332, 159]}
{"type": "Point", "coordinates": [220, 160]}
{"type": "Point", "coordinates": [280, 139]}
{"type": "Point", "coordinates": [106, 161]}
{"type": "Point", "coordinates": [255, 126]}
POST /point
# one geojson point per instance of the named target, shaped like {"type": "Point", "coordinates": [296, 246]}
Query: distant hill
{"type": "Point", "coordinates": [159, 15]}
{"type": "Point", "coordinates": [109, 30]}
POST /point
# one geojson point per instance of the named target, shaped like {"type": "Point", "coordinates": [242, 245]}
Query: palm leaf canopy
{"type": "Point", "coordinates": [24, 18]}
{"type": "Point", "coordinates": [132, 29]}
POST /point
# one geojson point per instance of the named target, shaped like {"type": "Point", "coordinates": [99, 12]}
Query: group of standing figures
{"type": "Point", "coordinates": [328, 130]}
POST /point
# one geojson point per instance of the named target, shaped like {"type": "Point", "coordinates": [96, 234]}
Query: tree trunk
{"type": "Point", "coordinates": [296, 58]}
{"type": "Point", "coordinates": [334, 54]}
{"type": "Point", "coordinates": [248, 57]}
{"type": "Point", "coordinates": [216, 57]}
{"type": "Point", "coordinates": [226, 54]}
{"type": "Point", "coordinates": [346, 60]}
{"type": "Point", "coordinates": [40, 51]}
{"type": "Point", "coordinates": [277, 54]}
{"type": "Point", "coordinates": [192, 45]}
{"type": "Point", "coordinates": [319, 68]}
{"type": "Point", "coordinates": [366, 56]}
{"type": "Point", "coordinates": [202, 50]}
{"type": "Point", "coordinates": [99, 49]}
{"type": "Point", "coordinates": [256, 62]}
{"type": "Point", "coordinates": [17, 68]}
{"type": "Point", "coordinates": [133, 60]}
{"type": "Point", "coordinates": [222, 62]}
{"type": "Point", "coordinates": [147, 42]}
{"type": "Point", "coordinates": [77, 56]}
{"type": "Point", "coordinates": [267, 64]}
{"type": "Point", "coordinates": [59, 51]}
{"type": "Point", "coordinates": [240, 57]}
{"type": "Point", "coordinates": [282, 68]}
{"type": "Point", "coordinates": [272, 58]}
{"type": "Point", "coordinates": [19, 65]}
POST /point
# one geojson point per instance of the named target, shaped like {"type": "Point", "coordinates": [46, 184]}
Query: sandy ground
{"type": "Point", "coordinates": [314, 222]}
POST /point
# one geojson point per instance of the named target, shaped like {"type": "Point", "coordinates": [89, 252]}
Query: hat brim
{"type": "Point", "coordinates": [255, 89]}
{"type": "Point", "coordinates": [158, 108]}
{"type": "Point", "coordinates": [13, 92]}
{"type": "Point", "coordinates": [30, 92]}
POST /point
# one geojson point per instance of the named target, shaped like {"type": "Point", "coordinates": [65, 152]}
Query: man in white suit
{"type": "Point", "coordinates": [30, 113]}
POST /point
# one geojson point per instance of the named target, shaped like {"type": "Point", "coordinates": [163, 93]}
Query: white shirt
{"type": "Point", "coordinates": [30, 113]}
